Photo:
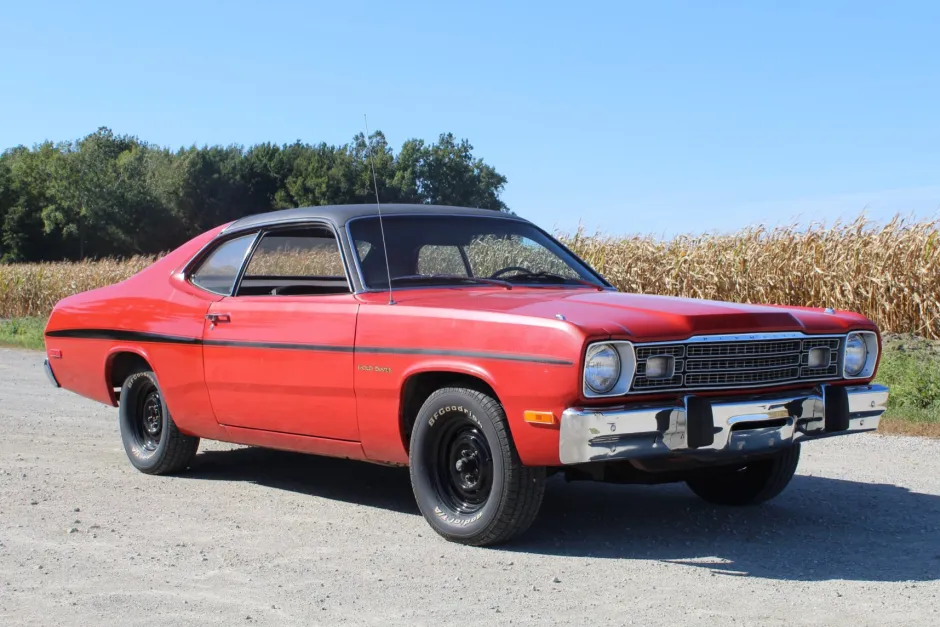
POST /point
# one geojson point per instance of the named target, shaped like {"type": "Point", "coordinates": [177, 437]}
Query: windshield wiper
{"type": "Point", "coordinates": [552, 278]}
{"type": "Point", "coordinates": [450, 278]}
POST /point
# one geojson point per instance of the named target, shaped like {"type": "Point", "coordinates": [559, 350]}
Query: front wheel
{"type": "Point", "coordinates": [465, 472]}
{"type": "Point", "coordinates": [151, 439]}
{"type": "Point", "coordinates": [757, 481]}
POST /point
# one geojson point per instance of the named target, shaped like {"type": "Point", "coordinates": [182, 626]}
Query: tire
{"type": "Point", "coordinates": [755, 483]}
{"type": "Point", "coordinates": [466, 475]}
{"type": "Point", "coordinates": [151, 439]}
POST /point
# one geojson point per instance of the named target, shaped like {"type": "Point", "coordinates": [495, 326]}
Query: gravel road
{"type": "Point", "coordinates": [255, 537]}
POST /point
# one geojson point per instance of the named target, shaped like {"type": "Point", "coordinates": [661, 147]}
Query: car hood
{"type": "Point", "coordinates": [646, 317]}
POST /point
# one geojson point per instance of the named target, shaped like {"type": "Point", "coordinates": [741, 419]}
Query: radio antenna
{"type": "Point", "coordinates": [378, 206]}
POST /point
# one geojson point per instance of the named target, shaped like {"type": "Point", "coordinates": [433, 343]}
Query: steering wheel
{"type": "Point", "coordinates": [500, 273]}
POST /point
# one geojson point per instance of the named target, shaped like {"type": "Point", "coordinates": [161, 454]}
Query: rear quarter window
{"type": "Point", "coordinates": [218, 272]}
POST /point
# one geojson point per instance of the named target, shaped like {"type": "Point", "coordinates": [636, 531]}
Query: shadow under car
{"type": "Point", "coordinates": [818, 529]}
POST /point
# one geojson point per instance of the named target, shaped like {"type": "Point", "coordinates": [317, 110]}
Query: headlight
{"type": "Point", "coordinates": [601, 368]}
{"type": "Point", "coordinates": [856, 354]}
{"type": "Point", "coordinates": [608, 369]}
{"type": "Point", "coordinates": [860, 355]}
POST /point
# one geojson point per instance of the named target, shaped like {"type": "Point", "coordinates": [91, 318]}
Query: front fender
{"type": "Point", "coordinates": [519, 386]}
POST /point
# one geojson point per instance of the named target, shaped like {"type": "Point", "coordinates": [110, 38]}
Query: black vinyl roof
{"type": "Point", "coordinates": [341, 214]}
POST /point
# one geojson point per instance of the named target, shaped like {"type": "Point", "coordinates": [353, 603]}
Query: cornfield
{"type": "Point", "coordinates": [33, 289]}
{"type": "Point", "coordinates": [890, 272]}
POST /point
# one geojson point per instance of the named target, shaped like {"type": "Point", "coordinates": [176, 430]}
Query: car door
{"type": "Point", "coordinates": [278, 352]}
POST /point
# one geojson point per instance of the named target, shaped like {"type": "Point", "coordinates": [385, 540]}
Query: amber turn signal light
{"type": "Point", "coordinates": [539, 417]}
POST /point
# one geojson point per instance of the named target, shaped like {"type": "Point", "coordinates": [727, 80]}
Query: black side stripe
{"type": "Point", "coordinates": [123, 336]}
{"type": "Point", "coordinates": [458, 353]}
{"type": "Point", "coordinates": [138, 336]}
{"type": "Point", "coordinates": [280, 345]}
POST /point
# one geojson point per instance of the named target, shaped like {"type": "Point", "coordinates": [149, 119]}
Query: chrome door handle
{"type": "Point", "coordinates": [215, 318]}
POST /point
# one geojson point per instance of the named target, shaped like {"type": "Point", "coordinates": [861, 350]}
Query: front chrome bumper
{"type": "Point", "coordinates": [699, 425]}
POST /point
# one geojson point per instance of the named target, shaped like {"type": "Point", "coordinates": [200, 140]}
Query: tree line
{"type": "Point", "coordinates": [115, 195]}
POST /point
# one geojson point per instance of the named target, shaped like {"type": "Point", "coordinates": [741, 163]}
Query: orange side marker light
{"type": "Point", "coordinates": [539, 417]}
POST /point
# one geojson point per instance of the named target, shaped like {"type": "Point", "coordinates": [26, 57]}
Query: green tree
{"type": "Point", "coordinates": [88, 191]}
{"type": "Point", "coordinates": [448, 174]}
{"type": "Point", "coordinates": [322, 175]}
{"type": "Point", "coordinates": [24, 194]}
{"type": "Point", "coordinates": [108, 194]}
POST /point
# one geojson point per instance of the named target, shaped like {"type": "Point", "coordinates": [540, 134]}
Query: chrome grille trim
{"type": "Point", "coordinates": [738, 361]}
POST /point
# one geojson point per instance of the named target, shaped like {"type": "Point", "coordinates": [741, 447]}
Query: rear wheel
{"type": "Point", "coordinates": [151, 439]}
{"type": "Point", "coordinates": [756, 482]}
{"type": "Point", "coordinates": [466, 474]}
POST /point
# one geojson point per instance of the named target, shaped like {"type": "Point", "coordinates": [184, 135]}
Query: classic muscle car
{"type": "Point", "coordinates": [467, 344]}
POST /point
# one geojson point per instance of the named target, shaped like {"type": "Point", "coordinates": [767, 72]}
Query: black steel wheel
{"type": "Point", "coordinates": [465, 472]}
{"type": "Point", "coordinates": [464, 468]}
{"type": "Point", "coordinates": [151, 439]}
{"type": "Point", "coordinates": [149, 421]}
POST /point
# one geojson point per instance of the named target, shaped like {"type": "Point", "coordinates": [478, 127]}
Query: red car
{"type": "Point", "coordinates": [465, 343]}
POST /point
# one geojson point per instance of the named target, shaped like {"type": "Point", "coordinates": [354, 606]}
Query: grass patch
{"type": "Point", "coordinates": [910, 366]}
{"type": "Point", "coordinates": [23, 332]}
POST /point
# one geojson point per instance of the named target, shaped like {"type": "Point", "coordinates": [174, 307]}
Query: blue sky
{"type": "Point", "coordinates": [659, 117]}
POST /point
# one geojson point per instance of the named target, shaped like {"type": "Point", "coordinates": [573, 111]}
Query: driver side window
{"type": "Point", "coordinates": [295, 262]}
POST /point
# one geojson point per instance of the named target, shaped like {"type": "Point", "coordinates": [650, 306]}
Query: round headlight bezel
{"type": "Point", "coordinates": [592, 353]}
{"type": "Point", "coordinates": [859, 355]}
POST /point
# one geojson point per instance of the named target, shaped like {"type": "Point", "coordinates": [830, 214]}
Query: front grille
{"type": "Point", "coordinates": [724, 349]}
{"type": "Point", "coordinates": [751, 363]}
{"type": "Point", "coordinates": [674, 350]}
{"type": "Point", "coordinates": [727, 363]}
{"type": "Point", "coordinates": [642, 383]}
{"type": "Point", "coordinates": [741, 378]}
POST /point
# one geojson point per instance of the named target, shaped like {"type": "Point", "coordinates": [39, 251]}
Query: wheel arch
{"type": "Point", "coordinates": [122, 361]}
{"type": "Point", "coordinates": [419, 384]}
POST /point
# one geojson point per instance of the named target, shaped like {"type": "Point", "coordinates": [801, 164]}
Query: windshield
{"type": "Point", "coordinates": [464, 250]}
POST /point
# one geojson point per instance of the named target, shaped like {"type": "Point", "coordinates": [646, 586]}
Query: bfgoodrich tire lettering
{"type": "Point", "coordinates": [151, 439]}
{"type": "Point", "coordinates": [757, 482]}
{"type": "Point", "coordinates": [465, 472]}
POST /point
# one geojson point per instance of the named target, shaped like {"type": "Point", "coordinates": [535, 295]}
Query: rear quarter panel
{"type": "Point", "coordinates": [87, 330]}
